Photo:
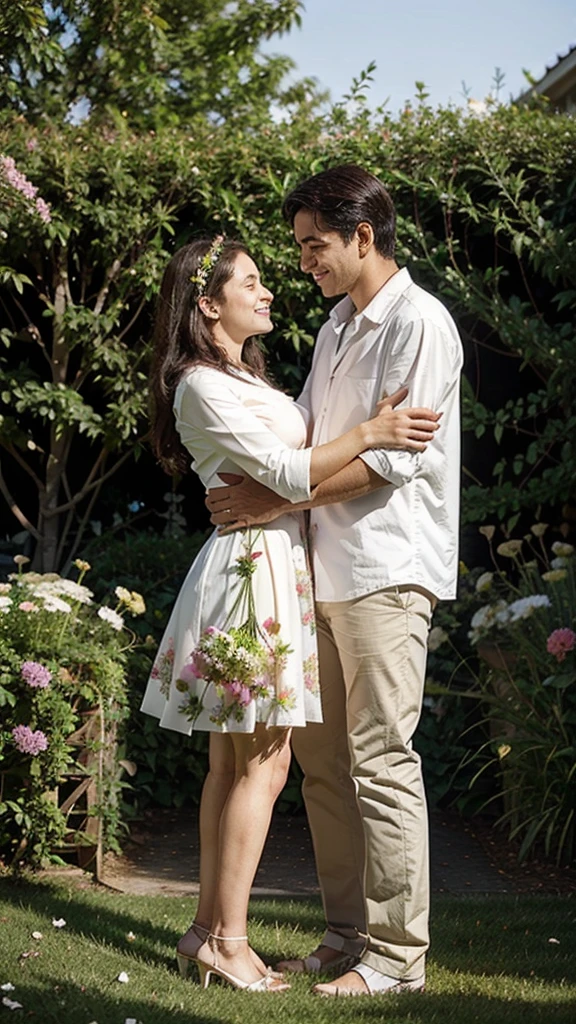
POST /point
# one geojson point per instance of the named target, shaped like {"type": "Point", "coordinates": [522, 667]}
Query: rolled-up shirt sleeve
{"type": "Point", "coordinates": [427, 359]}
{"type": "Point", "coordinates": [211, 419]}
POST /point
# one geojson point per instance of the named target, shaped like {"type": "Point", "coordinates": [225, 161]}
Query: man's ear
{"type": "Point", "coordinates": [365, 236]}
{"type": "Point", "coordinates": [207, 307]}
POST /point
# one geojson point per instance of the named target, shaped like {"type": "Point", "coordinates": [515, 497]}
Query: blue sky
{"type": "Point", "coordinates": [440, 42]}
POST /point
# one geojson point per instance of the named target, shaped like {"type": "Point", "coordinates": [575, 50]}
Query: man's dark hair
{"type": "Point", "coordinates": [343, 197]}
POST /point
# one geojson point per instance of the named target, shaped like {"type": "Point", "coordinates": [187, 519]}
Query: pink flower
{"type": "Point", "coordinates": [43, 210]}
{"type": "Point", "coordinates": [31, 145]}
{"type": "Point", "coordinates": [27, 741]}
{"type": "Point", "coordinates": [271, 626]}
{"type": "Point", "coordinates": [28, 606]}
{"type": "Point", "coordinates": [189, 672]}
{"type": "Point", "coordinates": [254, 555]}
{"type": "Point", "coordinates": [244, 697]}
{"type": "Point", "coordinates": [300, 589]}
{"type": "Point", "coordinates": [560, 642]}
{"type": "Point", "coordinates": [35, 674]}
{"type": "Point", "coordinates": [307, 617]}
{"type": "Point", "coordinates": [210, 630]}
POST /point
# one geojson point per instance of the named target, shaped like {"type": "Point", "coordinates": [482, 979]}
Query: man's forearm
{"type": "Point", "coordinates": [354, 481]}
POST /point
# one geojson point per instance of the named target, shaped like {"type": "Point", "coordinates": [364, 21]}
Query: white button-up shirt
{"type": "Point", "coordinates": [407, 531]}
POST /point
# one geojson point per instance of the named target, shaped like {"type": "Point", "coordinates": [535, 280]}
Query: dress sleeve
{"type": "Point", "coordinates": [427, 359]}
{"type": "Point", "coordinates": [211, 417]}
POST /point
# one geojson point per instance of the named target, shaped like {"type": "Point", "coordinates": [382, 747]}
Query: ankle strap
{"type": "Point", "coordinates": [228, 938]}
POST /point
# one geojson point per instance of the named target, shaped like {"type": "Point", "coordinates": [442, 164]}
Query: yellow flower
{"type": "Point", "coordinates": [554, 575]}
{"type": "Point", "coordinates": [123, 595]}
{"type": "Point", "coordinates": [484, 582]}
{"type": "Point", "coordinates": [487, 531]}
{"type": "Point", "coordinates": [503, 750]}
{"type": "Point", "coordinates": [82, 565]}
{"type": "Point", "coordinates": [563, 550]}
{"type": "Point", "coordinates": [21, 559]}
{"type": "Point", "coordinates": [510, 548]}
{"type": "Point", "coordinates": [136, 605]}
{"type": "Point", "coordinates": [539, 529]}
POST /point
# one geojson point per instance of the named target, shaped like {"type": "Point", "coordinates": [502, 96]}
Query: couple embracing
{"type": "Point", "coordinates": [311, 630]}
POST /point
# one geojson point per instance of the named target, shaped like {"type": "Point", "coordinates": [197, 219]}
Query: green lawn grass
{"type": "Point", "coordinates": [491, 962]}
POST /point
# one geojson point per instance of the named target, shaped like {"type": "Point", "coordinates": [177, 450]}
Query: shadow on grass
{"type": "Point", "coordinates": [67, 1003]}
{"type": "Point", "coordinates": [101, 923]}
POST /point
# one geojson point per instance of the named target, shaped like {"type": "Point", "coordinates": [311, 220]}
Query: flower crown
{"type": "Point", "coordinates": [207, 264]}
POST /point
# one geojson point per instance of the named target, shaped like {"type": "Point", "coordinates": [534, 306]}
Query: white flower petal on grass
{"type": "Point", "coordinates": [131, 937]}
{"type": "Point", "coordinates": [11, 1004]}
{"type": "Point", "coordinates": [123, 977]}
{"type": "Point", "coordinates": [7, 986]}
{"type": "Point", "coordinates": [111, 617]}
{"type": "Point", "coordinates": [555, 942]}
{"type": "Point", "coordinates": [37, 935]}
{"type": "Point", "coordinates": [58, 922]}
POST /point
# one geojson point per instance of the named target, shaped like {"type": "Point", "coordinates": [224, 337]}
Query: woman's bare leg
{"type": "Point", "coordinates": [215, 792]}
{"type": "Point", "coordinates": [262, 760]}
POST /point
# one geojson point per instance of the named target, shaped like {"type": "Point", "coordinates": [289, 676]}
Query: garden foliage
{"type": "Point", "coordinates": [62, 659]}
{"type": "Point", "coordinates": [521, 622]}
{"type": "Point", "coordinates": [486, 220]}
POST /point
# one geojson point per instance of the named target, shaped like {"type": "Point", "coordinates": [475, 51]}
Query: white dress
{"type": "Point", "coordinates": [239, 424]}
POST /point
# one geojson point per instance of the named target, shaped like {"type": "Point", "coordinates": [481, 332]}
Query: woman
{"type": "Point", "coordinates": [238, 657]}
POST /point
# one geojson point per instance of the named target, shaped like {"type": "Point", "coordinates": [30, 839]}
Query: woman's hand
{"type": "Point", "coordinates": [410, 429]}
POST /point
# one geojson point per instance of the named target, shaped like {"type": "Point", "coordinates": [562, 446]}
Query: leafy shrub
{"type": "Point", "coordinates": [61, 660]}
{"type": "Point", "coordinates": [524, 634]}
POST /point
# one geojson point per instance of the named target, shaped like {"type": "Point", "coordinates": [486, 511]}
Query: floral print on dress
{"type": "Point", "coordinates": [162, 668]}
{"type": "Point", "coordinates": [304, 591]}
{"type": "Point", "coordinates": [311, 674]}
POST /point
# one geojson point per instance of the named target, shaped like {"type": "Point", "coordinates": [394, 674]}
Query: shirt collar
{"type": "Point", "coordinates": [377, 309]}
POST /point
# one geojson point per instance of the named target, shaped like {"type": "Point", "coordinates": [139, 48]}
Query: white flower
{"type": "Point", "coordinates": [55, 604]}
{"type": "Point", "coordinates": [76, 591]}
{"type": "Point", "coordinates": [130, 936]}
{"type": "Point", "coordinates": [111, 617]}
{"type": "Point", "coordinates": [7, 986]}
{"type": "Point", "coordinates": [486, 617]}
{"type": "Point", "coordinates": [555, 942]}
{"type": "Point", "coordinates": [564, 550]}
{"type": "Point", "coordinates": [5, 588]}
{"type": "Point", "coordinates": [11, 1004]}
{"type": "Point", "coordinates": [37, 935]}
{"type": "Point", "coordinates": [477, 107]}
{"type": "Point", "coordinates": [524, 606]}
{"type": "Point", "coordinates": [559, 563]}
{"type": "Point", "coordinates": [436, 638]}
{"type": "Point", "coordinates": [58, 922]}
{"type": "Point", "coordinates": [484, 582]}
{"type": "Point", "coordinates": [123, 595]}
{"type": "Point", "coordinates": [5, 602]}
{"type": "Point", "coordinates": [123, 977]}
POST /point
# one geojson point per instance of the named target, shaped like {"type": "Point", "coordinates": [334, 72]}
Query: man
{"type": "Point", "coordinates": [384, 547]}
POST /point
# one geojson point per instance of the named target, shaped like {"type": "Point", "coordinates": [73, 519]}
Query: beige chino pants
{"type": "Point", "coordinates": [363, 784]}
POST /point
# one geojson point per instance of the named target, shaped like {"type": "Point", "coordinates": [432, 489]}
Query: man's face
{"type": "Point", "coordinates": [334, 264]}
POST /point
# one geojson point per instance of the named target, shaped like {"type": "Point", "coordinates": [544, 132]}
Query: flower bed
{"type": "Point", "coordinates": [62, 694]}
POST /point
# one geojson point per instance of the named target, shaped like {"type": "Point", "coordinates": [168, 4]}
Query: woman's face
{"type": "Point", "coordinates": [244, 309]}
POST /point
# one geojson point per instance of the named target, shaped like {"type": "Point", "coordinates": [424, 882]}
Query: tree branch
{"type": "Point", "coordinates": [16, 510]}
{"type": "Point", "coordinates": [90, 486]}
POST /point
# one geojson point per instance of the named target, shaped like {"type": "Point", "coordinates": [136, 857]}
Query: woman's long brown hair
{"type": "Point", "coordinates": [183, 338]}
